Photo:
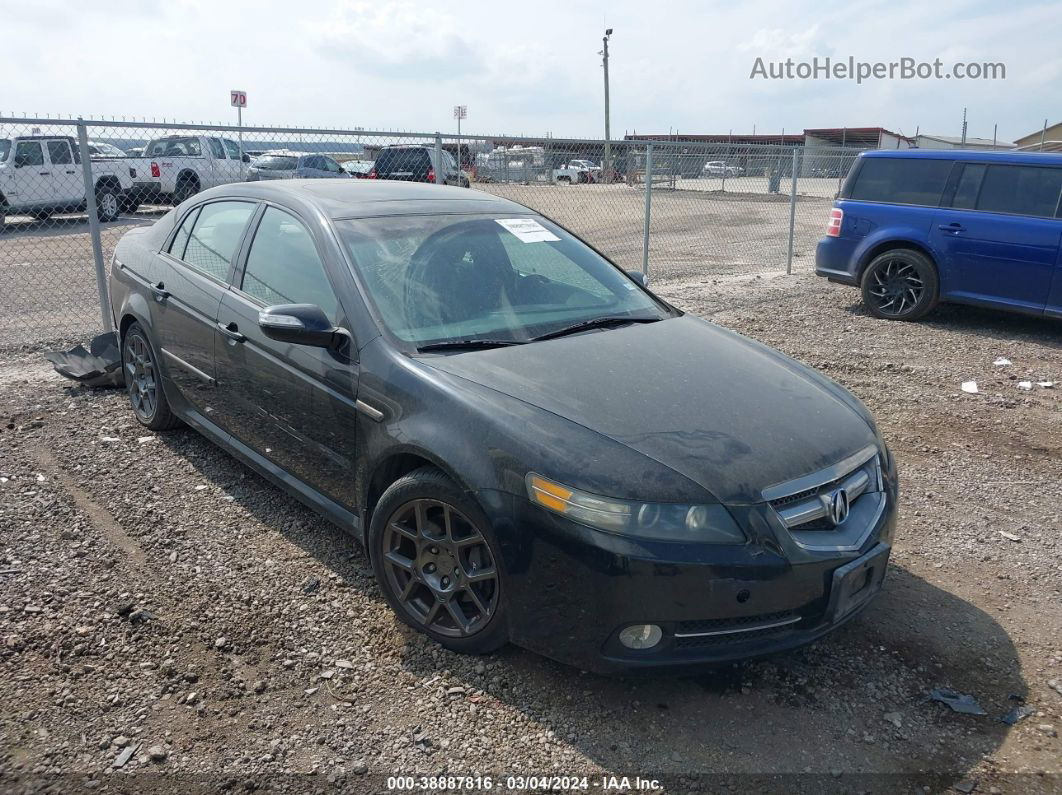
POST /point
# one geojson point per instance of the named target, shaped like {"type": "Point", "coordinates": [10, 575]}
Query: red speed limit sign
{"type": "Point", "coordinates": [238, 98]}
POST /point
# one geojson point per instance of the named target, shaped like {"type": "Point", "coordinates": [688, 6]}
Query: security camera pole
{"type": "Point", "coordinates": [608, 148]}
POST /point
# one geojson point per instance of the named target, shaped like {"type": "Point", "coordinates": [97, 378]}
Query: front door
{"type": "Point", "coordinates": [31, 178]}
{"type": "Point", "coordinates": [192, 278]}
{"type": "Point", "coordinates": [293, 404]}
{"type": "Point", "coordinates": [999, 239]}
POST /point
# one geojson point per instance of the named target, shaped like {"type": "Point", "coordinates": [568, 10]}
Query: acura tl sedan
{"type": "Point", "coordinates": [532, 446]}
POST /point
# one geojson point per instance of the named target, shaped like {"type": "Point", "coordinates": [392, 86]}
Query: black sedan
{"type": "Point", "coordinates": [531, 445]}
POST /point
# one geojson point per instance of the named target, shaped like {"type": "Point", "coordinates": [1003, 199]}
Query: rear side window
{"type": "Point", "coordinates": [215, 237]}
{"type": "Point", "coordinates": [969, 186]}
{"type": "Point", "coordinates": [276, 162]}
{"type": "Point", "coordinates": [283, 266]}
{"type": "Point", "coordinates": [1021, 190]}
{"type": "Point", "coordinates": [59, 153]}
{"type": "Point", "coordinates": [899, 180]}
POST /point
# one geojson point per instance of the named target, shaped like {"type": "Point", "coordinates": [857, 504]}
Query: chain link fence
{"type": "Point", "coordinates": [69, 189]}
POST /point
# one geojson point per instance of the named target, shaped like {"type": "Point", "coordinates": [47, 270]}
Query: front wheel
{"type": "Point", "coordinates": [900, 284]}
{"type": "Point", "coordinates": [437, 563]}
{"type": "Point", "coordinates": [108, 203]}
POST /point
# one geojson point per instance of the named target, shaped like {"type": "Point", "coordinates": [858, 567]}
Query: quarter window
{"type": "Point", "coordinates": [59, 153]}
{"type": "Point", "coordinates": [180, 240]}
{"type": "Point", "coordinates": [216, 236]}
{"type": "Point", "coordinates": [283, 266]}
{"type": "Point", "coordinates": [1021, 190]}
{"type": "Point", "coordinates": [899, 180]}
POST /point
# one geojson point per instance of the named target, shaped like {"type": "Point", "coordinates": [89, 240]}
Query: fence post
{"type": "Point", "coordinates": [792, 211]}
{"type": "Point", "coordinates": [648, 207]}
{"type": "Point", "coordinates": [94, 225]}
{"type": "Point", "coordinates": [440, 169]}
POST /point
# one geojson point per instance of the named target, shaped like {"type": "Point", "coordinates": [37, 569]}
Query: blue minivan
{"type": "Point", "coordinates": [912, 228]}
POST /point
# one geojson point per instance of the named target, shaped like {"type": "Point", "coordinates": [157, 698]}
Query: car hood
{"type": "Point", "coordinates": [729, 414]}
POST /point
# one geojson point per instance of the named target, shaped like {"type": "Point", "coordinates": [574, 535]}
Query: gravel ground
{"type": "Point", "coordinates": [170, 621]}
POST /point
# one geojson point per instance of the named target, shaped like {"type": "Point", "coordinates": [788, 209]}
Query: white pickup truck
{"type": "Point", "coordinates": [41, 175]}
{"type": "Point", "coordinates": [176, 167]}
{"type": "Point", "coordinates": [571, 172]}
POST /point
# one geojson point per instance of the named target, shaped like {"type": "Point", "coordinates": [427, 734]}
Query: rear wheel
{"type": "Point", "coordinates": [187, 187]}
{"type": "Point", "coordinates": [900, 284]}
{"type": "Point", "coordinates": [437, 562]}
{"type": "Point", "coordinates": [108, 203]}
{"type": "Point", "coordinates": [143, 381]}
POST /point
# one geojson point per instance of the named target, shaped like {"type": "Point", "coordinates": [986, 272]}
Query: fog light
{"type": "Point", "coordinates": [640, 636]}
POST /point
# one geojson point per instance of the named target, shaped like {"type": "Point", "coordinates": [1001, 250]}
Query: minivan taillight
{"type": "Point", "coordinates": [155, 170]}
{"type": "Point", "coordinates": [833, 228]}
{"type": "Point", "coordinates": [431, 174]}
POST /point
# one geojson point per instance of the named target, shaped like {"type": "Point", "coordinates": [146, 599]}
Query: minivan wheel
{"type": "Point", "coordinates": [437, 562]}
{"type": "Point", "coordinates": [143, 381]}
{"type": "Point", "coordinates": [900, 284]}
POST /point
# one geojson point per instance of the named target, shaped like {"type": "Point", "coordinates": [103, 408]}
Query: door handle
{"type": "Point", "coordinates": [70, 172]}
{"type": "Point", "coordinates": [159, 291]}
{"type": "Point", "coordinates": [44, 173]}
{"type": "Point", "coordinates": [231, 330]}
{"type": "Point", "coordinates": [952, 228]}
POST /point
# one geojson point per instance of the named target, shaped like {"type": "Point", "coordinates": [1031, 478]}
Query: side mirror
{"type": "Point", "coordinates": [299, 324]}
{"type": "Point", "coordinates": [20, 161]}
{"type": "Point", "coordinates": [639, 277]}
{"type": "Point", "coordinates": [246, 158]}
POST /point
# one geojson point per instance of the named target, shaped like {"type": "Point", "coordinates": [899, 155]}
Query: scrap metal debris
{"type": "Point", "coordinates": [959, 702]}
{"type": "Point", "coordinates": [1017, 714]}
{"type": "Point", "coordinates": [100, 365]}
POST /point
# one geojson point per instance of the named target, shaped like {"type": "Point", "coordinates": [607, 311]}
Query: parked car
{"type": "Point", "coordinates": [912, 228]}
{"type": "Point", "coordinates": [99, 149]}
{"type": "Point", "coordinates": [718, 168]}
{"type": "Point", "coordinates": [175, 167]}
{"type": "Point", "coordinates": [357, 168]}
{"type": "Point", "coordinates": [416, 163]}
{"type": "Point", "coordinates": [588, 165]}
{"type": "Point", "coordinates": [571, 173]}
{"type": "Point", "coordinates": [41, 175]}
{"type": "Point", "coordinates": [533, 447]}
{"type": "Point", "coordinates": [285, 164]}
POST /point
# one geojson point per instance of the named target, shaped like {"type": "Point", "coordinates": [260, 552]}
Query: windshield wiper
{"type": "Point", "coordinates": [466, 344]}
{"type": "Point", "coordinates": [597, 322]}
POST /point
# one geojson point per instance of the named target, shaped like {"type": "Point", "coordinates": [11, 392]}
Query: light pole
{"type": "Point", "coordinates": [608, 147]}
{"type": "Point", "coordinates": [460, 112]}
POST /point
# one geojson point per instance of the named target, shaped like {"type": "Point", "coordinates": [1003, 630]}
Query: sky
{"type": "Point", "coordinates": [531, 68]}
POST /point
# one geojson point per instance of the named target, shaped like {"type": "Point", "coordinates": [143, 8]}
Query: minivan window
{"type": "Point", "coordinates": [283, 266]}
{"type": "Point", "coordinates": [215, 237]}
{"type": "Point", "coordinates": [1022, 190]}
{"type": "Point", "coordinates": [446, 278]}
{"type": "Point", "coordinates": [898, 180]}
{"type": "Point", "coordinates": [59, 153]}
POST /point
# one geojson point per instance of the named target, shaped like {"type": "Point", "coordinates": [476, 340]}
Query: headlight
{"type": "Point", "coordinates": [704, 524]}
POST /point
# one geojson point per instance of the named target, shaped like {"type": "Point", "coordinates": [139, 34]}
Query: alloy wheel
{"type": "Point", "coordinates": [108, 205]}
{"type": "Point", "coordinates": [439, 567]}
{"type": "Point", "coordinates": [140, 376]}
{"type": "Point", "coordinates": [896, 287]}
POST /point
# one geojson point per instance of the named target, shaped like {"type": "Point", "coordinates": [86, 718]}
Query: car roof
{"type": "Point", "coordinates": [341, 198]}
{"type": "Point", "coordinates": [1030, 158]}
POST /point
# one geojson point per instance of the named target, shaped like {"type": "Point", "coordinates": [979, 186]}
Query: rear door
{"type": "Point", "coordinates": [196, 266]}
{"type": "Point", "coordinates": [292, 404]}
{"type": "Point", "coordinates": [67, 179]}
{"type": "Point", "coordinates": [998, 239]}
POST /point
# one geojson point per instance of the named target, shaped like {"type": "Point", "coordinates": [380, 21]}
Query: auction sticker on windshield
{"type": "Point", "coordinates": [528, 230]}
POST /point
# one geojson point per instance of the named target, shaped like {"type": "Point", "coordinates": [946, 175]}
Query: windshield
{"type": "Point", "coordinates": [440, 279]}
{"type": "Point", "coordinates": [5, 147]}
{"type": "Point", "coordinates": [276, 162]}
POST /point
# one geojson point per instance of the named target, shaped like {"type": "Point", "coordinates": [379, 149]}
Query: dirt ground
{"type": "Point", "coordinates": [170, 621]}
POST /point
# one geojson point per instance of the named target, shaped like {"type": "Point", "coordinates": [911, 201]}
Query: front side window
{"type": "Point", "coordinates": [59, 153]}
{"type": "Point", "coordinates": [456, 278]}
{"type": "Point", "coordinates": [331, 165]}
{"type": "Point", "coordinates": [231, 148]}
{"type": "Point", "coordinates": [899, 180]}
{"type": "Point", "coordinates": [283, 266]}
{"type": "Point", "coordinates": [1021, 190]}
{"type": "Point", "coordinates": [5, 147]}
{"type": "Point", "coordinates": [215, 237]}
{"type": "Point", "coordinates": [216, 149]}
{"type": "Point", "coordinates": [29, 153]}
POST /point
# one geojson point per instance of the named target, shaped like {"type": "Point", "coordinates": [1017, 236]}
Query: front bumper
{"type": "Point", "coordinates": [572, 589]}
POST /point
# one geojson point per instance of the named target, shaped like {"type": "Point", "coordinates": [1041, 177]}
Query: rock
{"type": "Point", "coordinates": [260, 686]}
{"type": "Point", "coordinates": [31, 609]}
{"type": "Point", "coordinates": [121, 741]}
{"type": "Point", "coordinates": [359, 767]}
{"type": "Point", "coordinates": [1047, 729]}
{"type": "Point", "coordinates": [157, 753]}
{"type": "Point", "coordinates": [125, 756]}
{"type": "Point", "coordinates": [966, 786]}
{"type": "Point", "coordinates": [893, 718]}
{"type": "Point", "coordinates": [344, 664]}
{"type": "Point", "coordinates": [221, 642]}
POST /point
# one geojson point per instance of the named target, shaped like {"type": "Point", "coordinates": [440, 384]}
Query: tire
{"type": "Point", "coordinates": [900, 284]}
{"type": "Point", "coordinates": [564, 181]}
{"type": "Point", "coordinates": [143, 381]}
{"type": "Point", "coordinates": [187, 187]}
{"type": "Point", "coordinates": [424, 571]}
{"type": "Point", "coordinates": [129, 204]}
{"type": "Point", "coordinates": [108, 203]}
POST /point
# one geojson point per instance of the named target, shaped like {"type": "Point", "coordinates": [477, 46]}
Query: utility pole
{"type": "Point", "coordinates": [608, 147]}
{"type": "Point", "coordinates": [964, 126]}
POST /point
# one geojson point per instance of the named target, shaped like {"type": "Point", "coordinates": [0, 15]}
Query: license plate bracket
{"type": "Point", "coordinates": [855, 583]}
